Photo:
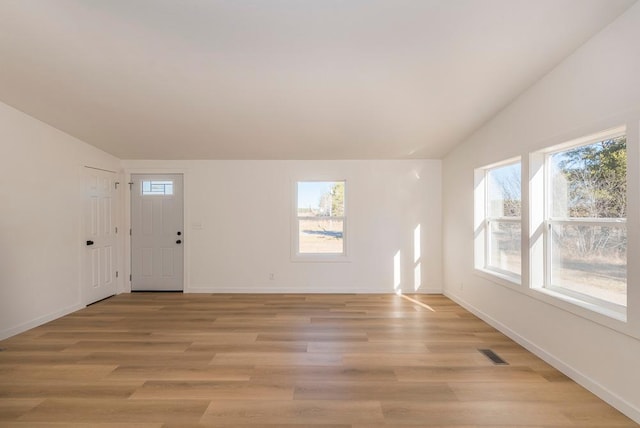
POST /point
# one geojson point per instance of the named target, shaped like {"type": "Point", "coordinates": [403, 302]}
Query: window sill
{"type": "Point", "coordinates": [617, 315]}
{"type": "Point", "coordinates": [320, 258]}
{"type": "Point", "coordinates": [609, 318]}
{"type": "Point", "coordinates": [499, 278]}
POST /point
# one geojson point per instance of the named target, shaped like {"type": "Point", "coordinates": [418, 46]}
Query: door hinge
{"type": "Point", "coordinates": [129, 278]}
{"type": "Point", "coordinates": [129, 232]}
{"type": "Point", "coordinates": [116, 229]}
{"type": "Point", "coordinates": [116, 274]}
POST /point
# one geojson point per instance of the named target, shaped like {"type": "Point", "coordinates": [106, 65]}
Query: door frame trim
{"type": "Point", "coordinates": [127, 220]}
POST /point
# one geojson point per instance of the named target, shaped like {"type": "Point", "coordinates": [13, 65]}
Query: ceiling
{"type": "Point", "coordinates": [282, 79]}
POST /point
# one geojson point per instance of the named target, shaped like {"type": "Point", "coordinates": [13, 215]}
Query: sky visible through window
{"type": "Point", "coordinates": [504, 193]}
{"type": "Point", "coordinates": [507, 179]}
{"type": "Point", "coordinates": [310, 193]}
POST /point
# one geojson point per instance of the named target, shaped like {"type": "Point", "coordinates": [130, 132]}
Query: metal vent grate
{"type": "Point", "coordinates": [495, 359]}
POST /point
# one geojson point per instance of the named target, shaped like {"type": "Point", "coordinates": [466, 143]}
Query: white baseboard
{"type": "Point", "coordinates": [211, 289]}
{"type": "Point", "coordinates": [12, 331]}
{"type": "Point", "coordinates": [275, 290]}
{"type": "Point", "coordinates": [596, 388]}
{"type": "Point", "coordinates": [429, 291]}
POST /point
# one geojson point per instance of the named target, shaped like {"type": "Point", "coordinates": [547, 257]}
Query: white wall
{"type": "Point", "coordinates": [596, 88]}
{"type": "Point", "coordinates": [246, 207]}
{"type": "Point", "coordinates": [40, 217]}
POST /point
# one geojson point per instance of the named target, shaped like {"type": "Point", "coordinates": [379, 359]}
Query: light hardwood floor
{"type": "Point", "coordinates": [361, 361]}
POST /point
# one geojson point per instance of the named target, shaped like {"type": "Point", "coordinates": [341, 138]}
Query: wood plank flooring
{"type": "Point", "coordinates": [152, 360]}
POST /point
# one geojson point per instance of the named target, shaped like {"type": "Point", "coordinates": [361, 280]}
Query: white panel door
{"type": "Point", "coordinates": [157, 234]}
{"type": "Point", "coordinates": [99, 264]}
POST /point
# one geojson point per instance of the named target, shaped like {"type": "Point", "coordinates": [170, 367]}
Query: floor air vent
{"type": "Point", "coordinates": [493, 357]}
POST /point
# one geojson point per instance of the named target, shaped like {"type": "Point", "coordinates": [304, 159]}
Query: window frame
{"type": "Point", "coordinates": [488, 250]}
{"type": "Point", "coordinates": [298, 256]}
{"type": "Point", "coordinates": [485, 222]}
{"type": "Point", "coordinates": [600, 305]}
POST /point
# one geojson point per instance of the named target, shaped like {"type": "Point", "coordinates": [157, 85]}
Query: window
{"type": "Point", "coordinates": [498, 201]}
{"type": "Point", "coordinates": [157, 187]}
{"type": "Point", "coordinates": [320, 218]}
{"type": "Point", "coordinates": [585, 236]}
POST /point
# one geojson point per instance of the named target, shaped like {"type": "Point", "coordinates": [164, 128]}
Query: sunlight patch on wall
{"type": "Point", "coordinates": [417, 280]}
{"type": "Point", "coordinates": [416, 244]}
{"type": "Point", "coordinates": [417, 254]}
{"type": "Point", "coordinates": [396, 272]}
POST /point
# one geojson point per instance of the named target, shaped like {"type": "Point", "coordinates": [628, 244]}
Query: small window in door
{"type": "Point", "coordinates": [155, 187]}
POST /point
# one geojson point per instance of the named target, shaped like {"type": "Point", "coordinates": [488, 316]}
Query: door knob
{"type": "Point", "coordinates": [89, 242]}
{"type": "Point", "coordinates": [178, 242]}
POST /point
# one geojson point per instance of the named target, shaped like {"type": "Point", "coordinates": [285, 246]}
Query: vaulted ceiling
{"type": "Point", "coordinates": [282, 79]}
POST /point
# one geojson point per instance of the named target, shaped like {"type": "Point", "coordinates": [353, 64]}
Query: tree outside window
{"type": "Point", "coordinates": [320, 216]}
{"type": "Point", "coordinates": [587, 239]}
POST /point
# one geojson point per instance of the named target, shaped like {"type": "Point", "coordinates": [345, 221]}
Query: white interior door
{"type": "Point", "coordinates": [157, 232]}
{"type": "Point", "coordinates": [99, 265]}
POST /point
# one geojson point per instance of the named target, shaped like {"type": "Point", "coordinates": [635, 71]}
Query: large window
{"type": "Point", "coordinates": [499, 193]}
{"type": "Point", "coordinates": [320, 218]}
{"type": "Point", "coordinates": [585, 222]}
